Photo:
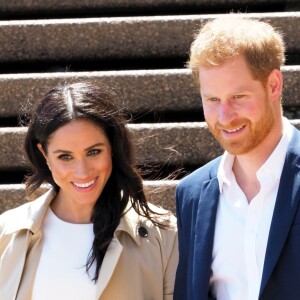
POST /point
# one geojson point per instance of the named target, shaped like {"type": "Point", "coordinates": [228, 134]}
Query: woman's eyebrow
{"type": "Point", "coordinates": [93, 146]}
{"type": "Point", "coordinates": [63, 151]}
{"type": "Point", "coordinates": [89, 148]}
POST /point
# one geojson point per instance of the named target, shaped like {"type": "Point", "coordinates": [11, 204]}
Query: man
{"type": "Point", "coordinates": [238, 216]}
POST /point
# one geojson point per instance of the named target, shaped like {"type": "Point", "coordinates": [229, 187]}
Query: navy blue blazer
{"type": "Point", "coordinates": [197, 197]}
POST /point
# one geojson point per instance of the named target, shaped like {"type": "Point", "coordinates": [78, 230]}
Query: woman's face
{"type": "Point", "coordinates": [79, 157]}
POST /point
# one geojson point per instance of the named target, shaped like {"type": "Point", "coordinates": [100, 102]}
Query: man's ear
{"type": "Point", "coordinates": [274, 85]}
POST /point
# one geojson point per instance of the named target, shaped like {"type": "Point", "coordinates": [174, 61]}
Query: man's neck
{"type": "Point", "coordinates": [245, 166]}
{"type": "Point", "coordinates": [245, 175]}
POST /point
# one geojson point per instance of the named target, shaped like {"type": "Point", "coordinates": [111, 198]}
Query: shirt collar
{"type": "Point", "coordinates": [273, 165]}
{"type": "Point", "coordinates": [224, 170]}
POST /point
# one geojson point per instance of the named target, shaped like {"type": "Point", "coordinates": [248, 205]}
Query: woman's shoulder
{"type": "Point", "coordinates": [26, 215]}
{"type": "Point", "coordinates": [162, 225]}
{"type": "Point", "coordinates": [163, 216]}
{"type": "Point", "coordinates": [160, 228]}
{"type": "Point", "coordinates": [159, 222]}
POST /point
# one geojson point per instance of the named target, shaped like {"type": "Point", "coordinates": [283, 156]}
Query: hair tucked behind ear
{"type": "Point", "coordinates": [69, 102]}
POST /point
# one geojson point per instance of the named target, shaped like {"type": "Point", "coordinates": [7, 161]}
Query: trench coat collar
{"type": "Point", "coordinates": [30, 215]}
{"type": "Point", "coordinates": [130, 223]}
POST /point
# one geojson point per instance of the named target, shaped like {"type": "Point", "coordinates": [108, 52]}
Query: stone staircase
{"type": "Point", "coordinates": [139, 48]}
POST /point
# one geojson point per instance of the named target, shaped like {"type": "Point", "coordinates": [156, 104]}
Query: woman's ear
{"type": "Point", "coordinates": [40, 147]}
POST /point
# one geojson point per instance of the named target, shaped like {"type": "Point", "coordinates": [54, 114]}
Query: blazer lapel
{"type": "Point", "coordinates": [204, 235]}
{"type": "Point", "coordinates": [285, 208]}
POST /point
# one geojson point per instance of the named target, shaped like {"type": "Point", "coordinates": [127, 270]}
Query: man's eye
{"type": "Point", "coordinates": [94, 152]}
{"type": "Point", "coordinates": [213, 99]}
{"type": "Point", "coordinates": [238, 96]}
{"type": "Point", "coordinates": [65, 157]}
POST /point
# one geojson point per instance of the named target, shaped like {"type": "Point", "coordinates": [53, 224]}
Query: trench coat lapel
{"type": "Point", "coordinates": [9, 281]}
{"type": "Point", "coordinates": [285, 208]}
{"type": "Point", "coordinates": [204, 235]}
{"type": "Point", "coordinates": [32, 260]}
{"type": "Point", "coordinates": [129, 225]}
{"type": "Point", "coordinates": [108, 266]}
{"type": "Point", "coordinates": [26, 229]}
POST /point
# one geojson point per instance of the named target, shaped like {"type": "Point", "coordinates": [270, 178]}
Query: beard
{"type": "Point", "coordinates": [256, 132]}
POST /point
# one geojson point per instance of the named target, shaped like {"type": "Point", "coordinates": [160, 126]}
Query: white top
{"type": "Point", "coordinates": [61, 273]}
{"type": "Point", "coordinates": [242, 228]}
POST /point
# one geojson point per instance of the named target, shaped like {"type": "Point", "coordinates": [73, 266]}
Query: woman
{"type": "Point", "coordinates": [92, 235]}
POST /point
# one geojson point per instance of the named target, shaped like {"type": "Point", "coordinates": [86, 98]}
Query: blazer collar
{"type": "Point", "coordinates": [285, 208]}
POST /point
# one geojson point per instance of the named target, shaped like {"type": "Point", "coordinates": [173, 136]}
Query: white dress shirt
{"type": "Point", "coordinates": [242, 228]}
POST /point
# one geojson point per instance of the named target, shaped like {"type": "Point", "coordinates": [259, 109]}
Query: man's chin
{"type": "Point", "coordinates": [234, 148]}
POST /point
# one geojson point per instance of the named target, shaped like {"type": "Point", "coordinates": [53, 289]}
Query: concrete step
{"type": "Point", "coordinates": [108, 39]}
{"type": "Point", "coordinates": [86, 39]}
{"type": "Point", "coordinates": [171, 90]}
{"type": "Point", "coordinates": [165, 143]}
{"type": "Point", "coordinates": [158, 192]}
{"type": "Point", "coordinates": [179, 144]}
{"type": "Point", "coordinates": [25, 7]}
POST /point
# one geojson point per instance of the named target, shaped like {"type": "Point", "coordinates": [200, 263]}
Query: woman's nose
{"type": "Point", "coordinates": [82, 169]}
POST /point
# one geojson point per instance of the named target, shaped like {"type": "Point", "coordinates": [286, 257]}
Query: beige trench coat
{"type": "Point", "coordinates": [134, 267]}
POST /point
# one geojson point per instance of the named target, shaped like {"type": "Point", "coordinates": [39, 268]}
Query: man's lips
{"type": "Point", "coordinates": [234, 129]}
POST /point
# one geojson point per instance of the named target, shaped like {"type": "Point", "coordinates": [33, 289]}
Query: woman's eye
{"type": "Point", "coordinates": [65, 157]}
{"type": "Point", "coordinates": [94, 152]}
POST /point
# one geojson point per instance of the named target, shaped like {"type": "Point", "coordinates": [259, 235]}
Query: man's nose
{"type": "Point", "coordinates": [226, 113]}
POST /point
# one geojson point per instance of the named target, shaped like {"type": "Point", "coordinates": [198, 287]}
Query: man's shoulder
{"type": "Point", "coordinates": [295, 134]}
{"type": "Point", "coordinates": [189, 188]}
{"type": "Point", "coordinates": [204, 173]}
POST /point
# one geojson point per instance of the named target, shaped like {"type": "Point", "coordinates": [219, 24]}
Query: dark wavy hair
{"type": "Point", "coordinates": [69, 102]}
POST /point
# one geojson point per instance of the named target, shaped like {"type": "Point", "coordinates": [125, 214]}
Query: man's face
{"type": "Point", "coordinates": [237, 108]}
